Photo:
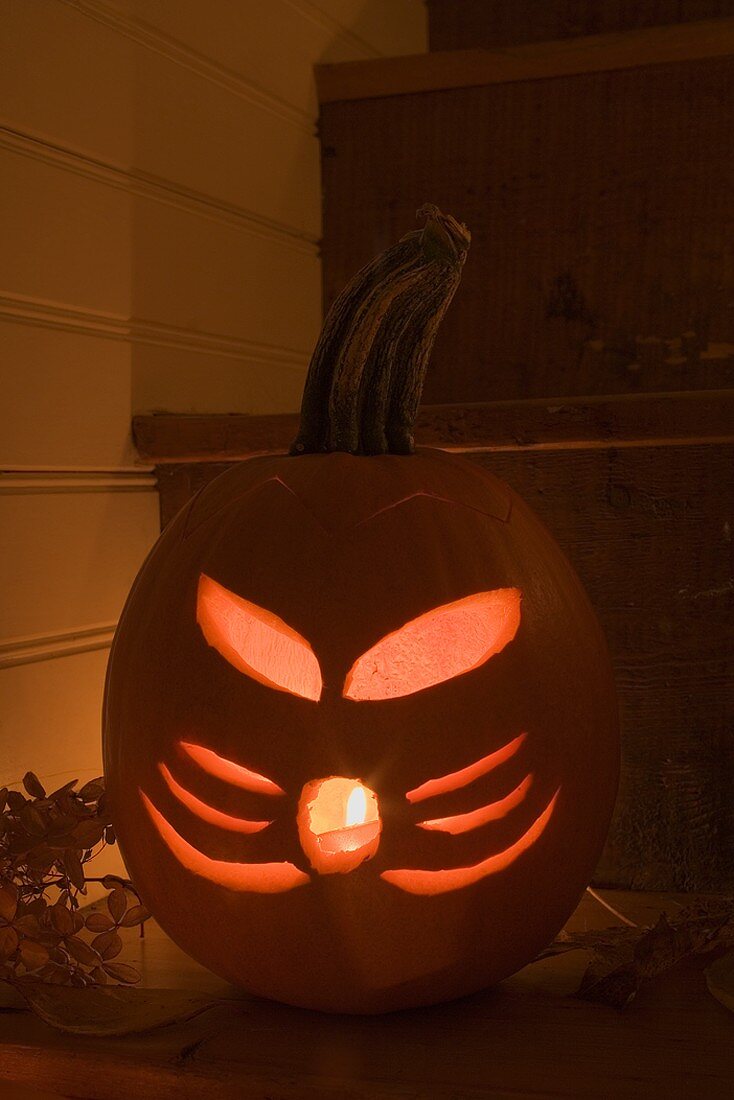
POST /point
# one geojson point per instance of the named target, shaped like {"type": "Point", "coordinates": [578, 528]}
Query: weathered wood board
{"type": "Point", "coordinates": [646, 518]}
{"type": "Point", "coordinates": [601, 206]}
{"type": "Point", "coordinates": [489, 24]}
{"type": "Point", "coordinates": [622, 421]}
{"type": "Point", "coordinates": [650, 532]}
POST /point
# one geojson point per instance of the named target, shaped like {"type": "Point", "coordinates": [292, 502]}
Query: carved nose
{"type": "Point", "coordinates": [339, 824]}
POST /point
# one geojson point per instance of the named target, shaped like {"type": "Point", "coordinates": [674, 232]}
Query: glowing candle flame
{"type": "Point", "coordinates": [356, 812]}
{"type": "Point", "coordinates": [338, 824]}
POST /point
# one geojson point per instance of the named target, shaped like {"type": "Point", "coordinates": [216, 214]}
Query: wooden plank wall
{"type": "Point", "coordinates": [649, 530]}
{"type": "Point", "coordinates": [600, 205]}
{"type": "Point", "coordinates": [492, 24]}
{"type": "Point", "coordinates": [160, 217]}
{"type": "Point", "coordinates": [639, 493]}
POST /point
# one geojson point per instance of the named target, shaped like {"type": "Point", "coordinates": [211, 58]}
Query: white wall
{"type": "Point", "coordinates": [160, 217]}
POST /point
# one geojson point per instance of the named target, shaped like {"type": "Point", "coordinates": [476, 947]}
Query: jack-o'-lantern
{"type": "Point", "coordinates": [360, 728]}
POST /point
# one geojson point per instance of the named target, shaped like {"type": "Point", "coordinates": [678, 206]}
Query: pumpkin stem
{"type": "Point", "coordinates": [366, 375]}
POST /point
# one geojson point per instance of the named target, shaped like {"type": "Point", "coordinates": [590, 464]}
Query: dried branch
{"type": "Point", "coordinates": [626, 957]}
{"type": "Point", "coordinates": [46, 840]}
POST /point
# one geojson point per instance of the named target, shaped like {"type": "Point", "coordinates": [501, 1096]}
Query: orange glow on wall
{"type": "Point", "coordinates": [261, 878]}
{"type": "Point", "coordinates": [208, 813]}
{"type": "Point", "coordinates": [339, 824]}
{"type": "Point", "coordinates": [256, 641]}
{"type": "Point", "coordinates": [445, 642]}
{"type": "Point", "coordinates": [415, 881]}
{"type": "Point", "coordinates": [454, 780]}
{"type": "Point", "coordinates": [494, 811]}
{"type": "Point", "coordinates": [230, 772]}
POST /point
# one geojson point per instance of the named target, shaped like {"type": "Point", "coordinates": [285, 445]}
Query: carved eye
{"type": "Point", "coordinates": [256, 641]}
{"type": "Point", "coordinates": [444, 643]}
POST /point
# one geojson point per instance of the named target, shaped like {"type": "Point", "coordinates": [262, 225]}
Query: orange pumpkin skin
{"type": "Point", "coordinates": [345, 550]}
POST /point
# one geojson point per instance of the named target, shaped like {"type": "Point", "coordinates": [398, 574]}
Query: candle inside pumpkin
{"type": "Point", "coordinates": [338, 824]}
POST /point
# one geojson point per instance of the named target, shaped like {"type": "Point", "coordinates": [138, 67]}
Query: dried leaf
{"type": "Point", "coordinates": [41, 859]}
{"type": "Point", "coordinates": [617, 971]}
{"type": "Point", "coordinates": [73, 869]}
{"type": "Point", "coordinates": [33, 954]}
{"type": "Point", "coordinates": [81, 951]}
{"type": "Point", "coordinates": [61, 841]}
{"type": "Point", "coordinates": [28, 925]}
{"type": "Point", "coordinates": [33, 785]}
{"type": "Point", "coordinates": [16, 801]}
{"type": "Point", "coordinates": [136, 914]}
{"type": "Point", "coordinates": [121, 972]}
{"type": "Point", "coordinates": [32, 820]}
{"type": "Point", "coordinates": [54, 974]}
{"type": "Point", "coordinates": [8, 900]}
{"type": "Point", "coordinates": [99, 922]}
{"type": "Point", "coordinates": [108, 944]}
{"type": "Point", "coordinates": [51, 940]}
{"type": "Point", "coordinates": [112, 1010]}
{"type": "Point", "coordinates": [112, 882]}
{"type": "Point", "coordinates": [87, 833]}
{"type": "Point", "coordinates": [61, 919]}
{"type": "Point", "coordinates": [57, 795]}
{"type": "Point", "coordinates": [720, 980]}
{"type": "Point", "coordinates": [591, 939]}
{"type": "Point", "coordinates": [8, 942]}
{"type": "Point", "coordinates": [92, 790]}
{"type": "Point", "coordinates": [117, 904]}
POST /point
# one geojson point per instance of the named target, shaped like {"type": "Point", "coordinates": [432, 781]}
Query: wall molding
{"type": "Point", "coordinates": [157, 41]}
{"type": "Point", "coordinates": [321, 18]}
{"type": "Point", "coordinates": [31, 648]}
{"type": "Point", "coordinates": [154, 188]}
{"type": "Point", "coordinates": [21, 482]}
{"type": "Point", "coordinates": [22, 309]}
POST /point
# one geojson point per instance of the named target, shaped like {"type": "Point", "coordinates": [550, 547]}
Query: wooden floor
{"type": "Point", "coordinates": [527, 1038]}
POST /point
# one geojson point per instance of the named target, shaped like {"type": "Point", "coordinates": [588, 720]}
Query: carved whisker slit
{"type": "Point", "coordinates": [208, 813]}
{"type": "Point", "coordinates": [260, 878]}
{"type": "Point", "coordinates": [366, 375]}
{"type": "Point", "coordinates": [474, 819]}
{"type": "Point", "coordinates": [229, 772]}
{"type": "Point", "coordinates": [419, 881]}
{"type": "Point", "coordinates": [453, 781]}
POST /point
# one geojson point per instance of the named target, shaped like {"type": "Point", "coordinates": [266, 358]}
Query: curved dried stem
{"type": "Point", "coordinates": [366, 374]}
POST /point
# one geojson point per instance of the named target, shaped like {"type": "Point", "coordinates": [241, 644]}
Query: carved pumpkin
{"type": "Point", "coordinates": [361, 742]}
